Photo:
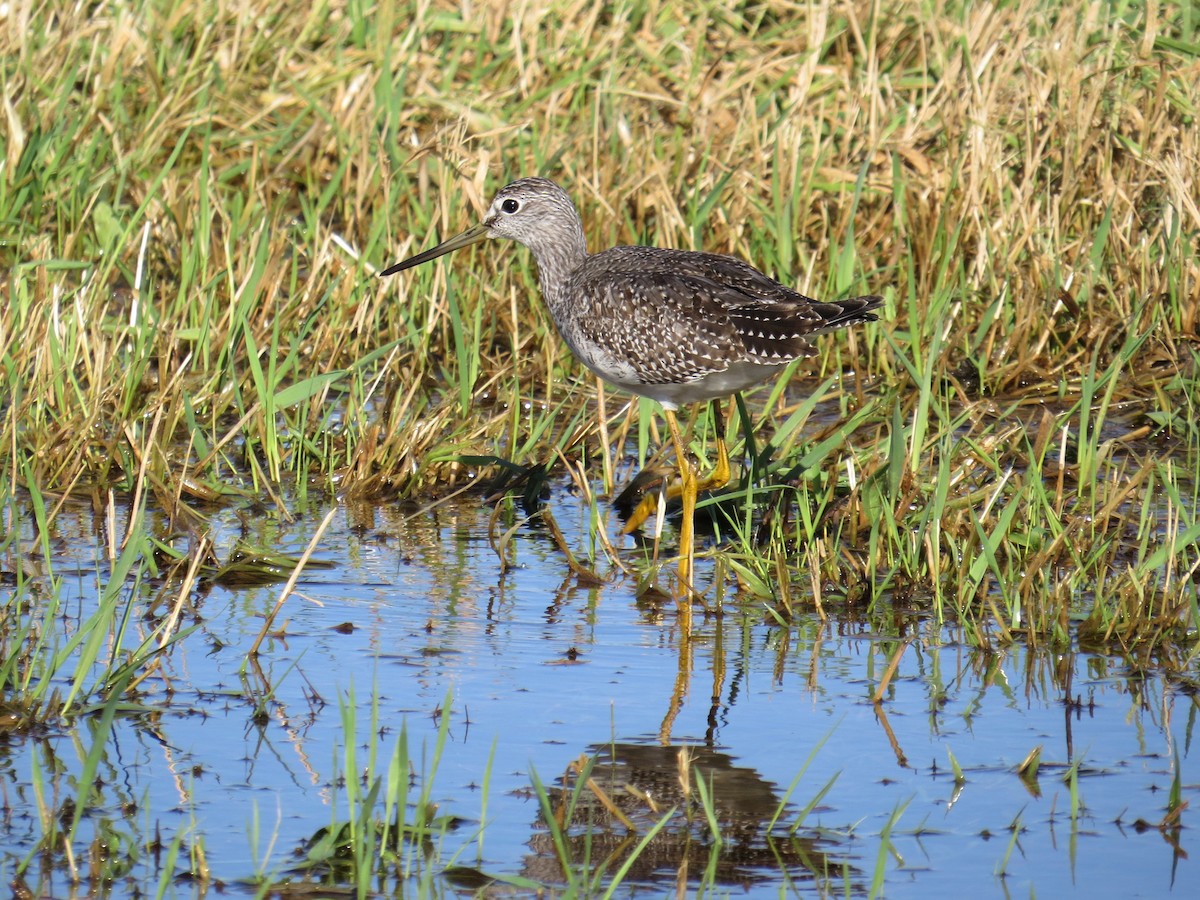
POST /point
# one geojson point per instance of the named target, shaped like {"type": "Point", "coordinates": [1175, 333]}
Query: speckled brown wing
{"type": "Point", "coordinates": [735, 273]}
{"type": "Point", "coordinates": [686, 314]}
{"type": "Point", "coordinates": [670, 328]}
{"type": "Point", "coordinates": [783, 303]}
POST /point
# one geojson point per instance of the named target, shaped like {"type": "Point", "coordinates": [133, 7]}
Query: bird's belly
{"type": "Point", "coordinates": [620, 373]}
{"type": "Point", "coordinates": [737, 377]}
{"type": "Point", "coordinates": [612, 367]}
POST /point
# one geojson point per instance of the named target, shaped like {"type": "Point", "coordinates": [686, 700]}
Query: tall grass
{"type": "Point", "coordinates": [193, 202]}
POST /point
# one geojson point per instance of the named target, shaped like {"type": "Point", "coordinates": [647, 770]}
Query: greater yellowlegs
{"type": "Point", "coordinates": [677, 326]}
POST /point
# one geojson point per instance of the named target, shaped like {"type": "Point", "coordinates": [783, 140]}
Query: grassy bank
{"type": "Point", "coordinates": [194, 199]}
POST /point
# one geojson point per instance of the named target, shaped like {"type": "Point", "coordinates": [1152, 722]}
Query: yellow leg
{"type": "Point", "coordinates": [687, 492]}
{"type": "Point", "coordinates": [718, 478]}
{"type": "Point", "coordinates": [645, 509]}
{"type": "Point", "coordinates": [721, 473]}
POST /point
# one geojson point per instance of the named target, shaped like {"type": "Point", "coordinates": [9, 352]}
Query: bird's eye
{"type": "Point", "coordinates": [510, 206]}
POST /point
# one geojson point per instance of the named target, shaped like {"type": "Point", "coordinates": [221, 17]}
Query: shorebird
{"type": "Point", "coordinates": [677, 326]}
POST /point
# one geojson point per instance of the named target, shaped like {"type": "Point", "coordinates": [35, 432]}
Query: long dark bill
{"type": "Point", "coordinates": [470, 236]}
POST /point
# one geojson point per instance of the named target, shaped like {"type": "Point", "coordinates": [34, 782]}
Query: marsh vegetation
{"type": "Point", "coordinates": [207, 393]}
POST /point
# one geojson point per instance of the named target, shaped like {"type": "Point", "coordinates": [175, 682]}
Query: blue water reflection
{"type": "Point", "coordinates": [415, 608]}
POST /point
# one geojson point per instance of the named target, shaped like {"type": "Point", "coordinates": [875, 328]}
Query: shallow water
{"type": "Point", "coordinates": [538, 670]}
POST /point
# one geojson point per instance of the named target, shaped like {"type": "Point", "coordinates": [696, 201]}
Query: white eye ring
{"type": "Point", "coordinates": [509, 206]}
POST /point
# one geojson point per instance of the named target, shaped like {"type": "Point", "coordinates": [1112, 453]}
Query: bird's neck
{"type": "Point", "coordinates": [557, 260]}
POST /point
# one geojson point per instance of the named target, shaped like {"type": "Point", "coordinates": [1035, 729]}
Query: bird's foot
{"type": "Point", "coordinates": [650, 502]}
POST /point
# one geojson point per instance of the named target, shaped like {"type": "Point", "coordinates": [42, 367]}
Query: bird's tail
{"type": "Point", "coordinates": [844, 313]}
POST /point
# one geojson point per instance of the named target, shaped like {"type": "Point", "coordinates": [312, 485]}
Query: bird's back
{"type": "Point", "coordinates": [682, 326]}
